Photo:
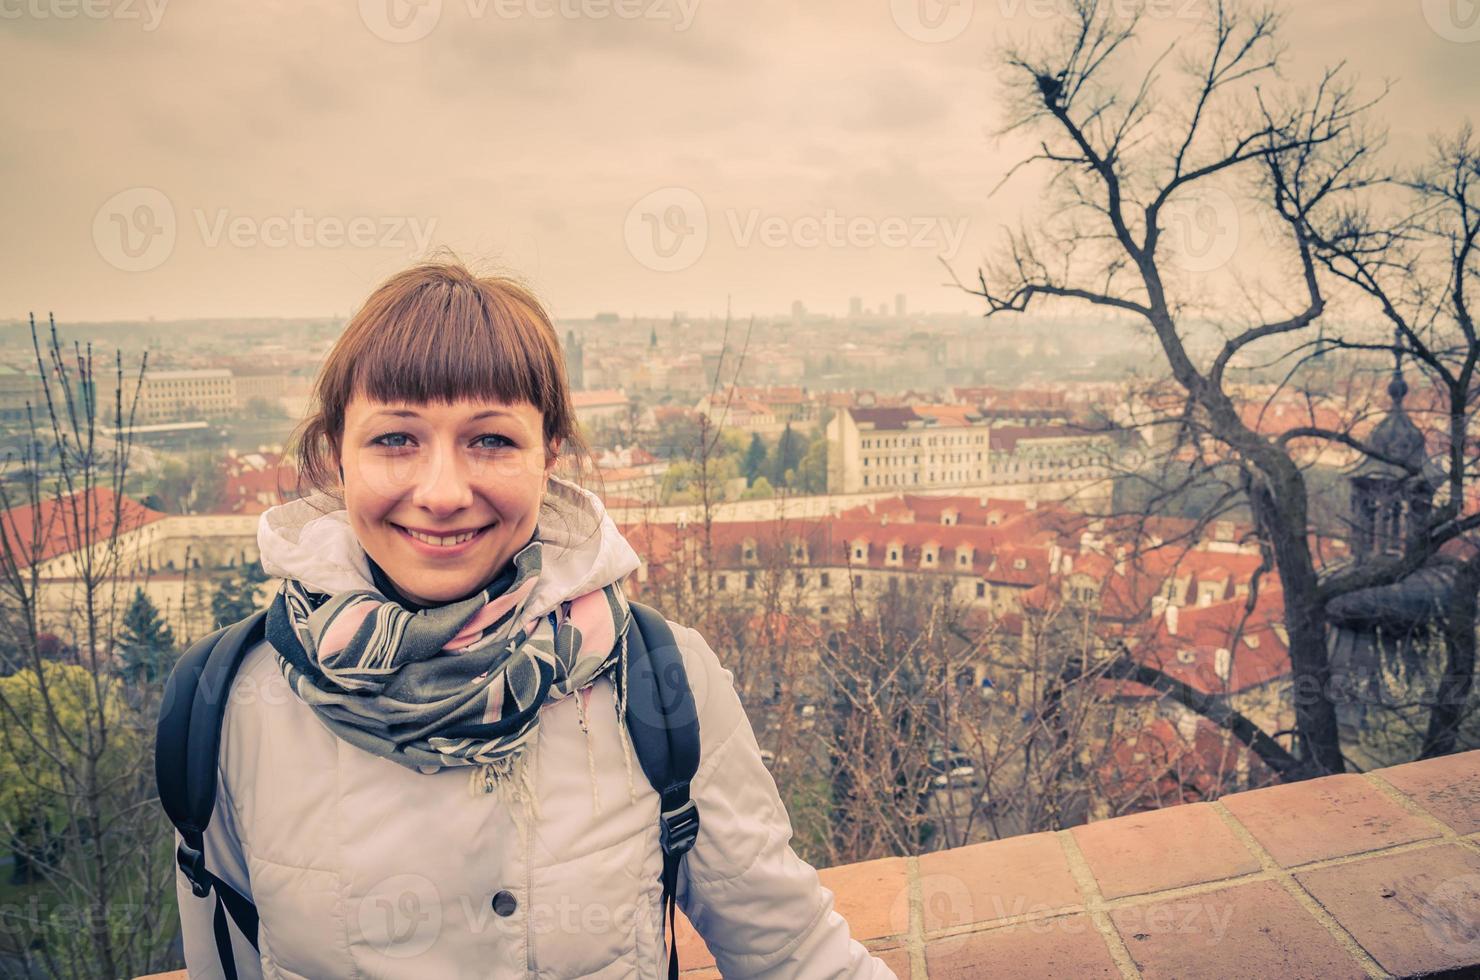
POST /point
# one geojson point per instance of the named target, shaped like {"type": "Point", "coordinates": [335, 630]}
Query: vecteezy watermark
{"type": "Point", "coordinates": [147, 12]}
{"type": "Point", "coordinates": [404, 21]}
{"type": "Point", "coordinates": [668, 230]}
{"type": "Point", "coordinates": [136, 230]}
{"type": "Point", "coordinates": [1200, 228]}
{"type": "Point", "coordinates": [401, 916]}
{"type": "Point", "coordinates": [1191, 917]}
{"type": "Point", "coordinates": [1451, 916]}
{"type": "Point", "coordinates": [1454, 20]}
{"type": "Point", "coordinates": [932, 21]}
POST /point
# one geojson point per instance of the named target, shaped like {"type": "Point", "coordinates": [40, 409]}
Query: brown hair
{"type": "Point", "coordinates": [437, 332]}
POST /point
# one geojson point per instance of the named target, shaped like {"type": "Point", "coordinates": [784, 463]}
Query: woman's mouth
{"type": "Point", "coordinates": [442, 546]}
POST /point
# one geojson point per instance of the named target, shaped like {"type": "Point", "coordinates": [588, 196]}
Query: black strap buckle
{"type": "Point", "coordinates": [679, 828]}
{"type": "Point", "coordinates": [193, 863]}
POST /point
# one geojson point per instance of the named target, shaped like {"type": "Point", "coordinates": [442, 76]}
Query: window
{"type": "Point", "coordinates": [858, 581]}
{"type": "Point", "coordinates": [750, 580]}
{"type": "Point", "coordinates": [981, 590]}
{"type": "Point", "coordinates": [823, 580]}
{"type": "Point", "coordinates": [801, 580]}
{"type": "Point", "coordinates": [721, 582]}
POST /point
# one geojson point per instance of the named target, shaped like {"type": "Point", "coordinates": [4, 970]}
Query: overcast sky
{"type": "Point", "coordinates": [280, 157]}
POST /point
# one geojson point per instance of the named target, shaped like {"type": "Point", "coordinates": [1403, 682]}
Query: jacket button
{"type": "Point", "coordinates": [504, 903]}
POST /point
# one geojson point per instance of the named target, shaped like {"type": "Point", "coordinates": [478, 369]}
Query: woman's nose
{"type": "Point", "coordinates": [442, 484]}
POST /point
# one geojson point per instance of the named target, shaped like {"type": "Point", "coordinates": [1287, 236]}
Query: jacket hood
{"type": "Point", "coordinates": [308, 540]}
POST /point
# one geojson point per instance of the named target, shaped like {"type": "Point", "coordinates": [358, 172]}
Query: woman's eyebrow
{"type": "Point", "coordinates": [411, 413]}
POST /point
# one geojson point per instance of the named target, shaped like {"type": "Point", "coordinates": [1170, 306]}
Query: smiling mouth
{"type": "Point", "coordinates": [439, 541]}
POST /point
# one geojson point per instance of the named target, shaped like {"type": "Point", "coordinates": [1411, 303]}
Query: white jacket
{"type": "Point", "coordinates": [362, 868]}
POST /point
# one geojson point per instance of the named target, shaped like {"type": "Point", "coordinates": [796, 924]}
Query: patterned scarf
{"type": "Point", "coordinates": [460, 684]}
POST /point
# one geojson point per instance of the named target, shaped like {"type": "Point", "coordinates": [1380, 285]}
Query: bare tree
{"type": "Point", "coordinates": [75, 737]}
{"type": "Point", "coordinates": [1124, 149]}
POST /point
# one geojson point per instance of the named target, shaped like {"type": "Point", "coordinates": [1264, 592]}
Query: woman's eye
{"type": "Point", "coordinates": [380, 440]}
{"type": "Point", "coordinates": [502, 441]}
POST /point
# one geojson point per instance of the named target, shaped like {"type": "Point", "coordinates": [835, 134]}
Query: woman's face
{"type": "Point", "coordinates": [445, 472]}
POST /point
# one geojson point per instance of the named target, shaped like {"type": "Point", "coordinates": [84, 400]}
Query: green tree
{"type": "Point", "coordinates": [146, 644]}
{"type": "Point", "coordinates": [755, 459]}
{"type": "Point", "coordinates": [189, 485]}
{"type": "Point", "coordinates": [789, 450]}
{"type": "Point", "coordinates": [811, 472]}
{"type": "Point", "coordinates": [759, 490]}
{"type": "Point", "coordinates": [236, 595]}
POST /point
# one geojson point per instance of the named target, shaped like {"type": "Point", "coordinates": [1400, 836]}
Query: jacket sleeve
{"type": "Point", "coordinates": [224, 858]}
{"type": "Point", "coordinates": [761, 910]}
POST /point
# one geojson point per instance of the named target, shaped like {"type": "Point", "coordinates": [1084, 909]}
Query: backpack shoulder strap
{"type": "Point", "coordinates": [662, 720]}
{"type": "Point", "coordinates": [186, 746]}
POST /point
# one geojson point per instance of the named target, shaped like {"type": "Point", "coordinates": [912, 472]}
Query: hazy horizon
{"type": "Point", "coordinates": [303, 152]}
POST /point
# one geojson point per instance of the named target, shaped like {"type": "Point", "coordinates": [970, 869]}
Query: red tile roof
{"type": "Point", "coordinates": [62, 525]}
{"type": "Point", "coordinates": [1260, 656]}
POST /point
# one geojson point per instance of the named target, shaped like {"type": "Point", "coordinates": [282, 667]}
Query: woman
{"type": "Point", "coordinates": [438, 564]}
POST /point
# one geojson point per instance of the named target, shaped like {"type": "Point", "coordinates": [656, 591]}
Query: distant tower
{"type": "Point", "coordinates": [1392, 497]}
{"type": "Point", "coordinates": [899, 304]}
{"type": "Point", "coordinates": [653, 337]}
{"type": "Point", "coordinates": [855, 306]}
{"type": "Point", "coordinates": [575, 361]}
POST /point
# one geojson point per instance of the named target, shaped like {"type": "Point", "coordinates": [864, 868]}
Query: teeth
{"type": "Point", "coordinates": [440, 542]}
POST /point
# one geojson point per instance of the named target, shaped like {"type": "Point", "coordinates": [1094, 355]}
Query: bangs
{"type": "Point", "coordinates": [437, 333]}
{"type": "Point", "coordinates": [451, 341]}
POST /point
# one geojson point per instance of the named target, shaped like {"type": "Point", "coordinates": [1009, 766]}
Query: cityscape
{"type": "Point", "coordinates": [1079, 499]}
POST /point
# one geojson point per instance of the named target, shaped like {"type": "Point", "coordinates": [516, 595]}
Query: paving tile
{"type": "Point", "coordinates": [1256, 929]}
{"type": "Point", "coordinates": [996, 880]}
{"type": "Point", "coordinates": [896, 959]}
{"type": "Point", "coordinates": [1323, 818]}
{"type": "Point", "coordinates": [1159, 849]}
{"type": "Point", "coordinates": [1416, 912]}
{"type": "Point", "coordinates": [873, 896]}
{"type": "Point", "coordinates": [692, 952]}
{"type": "Point", "coordinates": [1448, 787]}
{"type": "Point", "coordinates": [1067, 947]}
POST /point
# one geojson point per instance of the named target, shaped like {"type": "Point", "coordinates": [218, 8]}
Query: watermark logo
{"type": "Point", "coordinates": [833, 230]}
{"type": "Point", "coordinates": [148, 13]}
{"type": "Point", "coordinates": [401, 21]}
{"type": "Point", "coordinates": [404, 21]}
{"type": "Point", "coordinates": [668, 229]}
{"type": "Point", "coordinates": [932, 21]}
{"type": "Point", "coordinates": [1454, 20]}
{"type": "Point", "coordinates": [134, 230]}
{"type": "Point", "coordinates": [302, 230]}
{"type": "Point", "coordinates": [1451, 916]}
{"type": "Point", "coordinates": [1200, 229]}
{"type": "Point", "coordinates": [401, 916]}
{"type": "Point", "coordinates": [945, 902]}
